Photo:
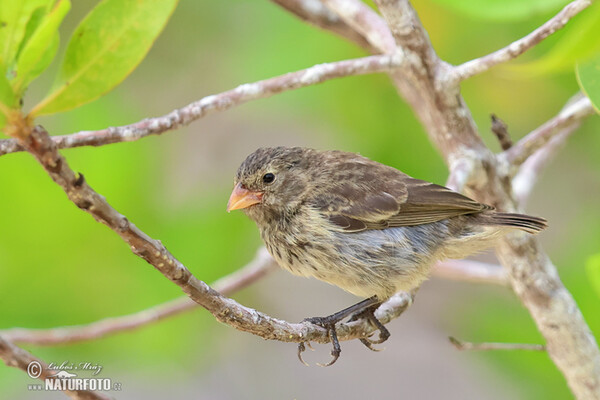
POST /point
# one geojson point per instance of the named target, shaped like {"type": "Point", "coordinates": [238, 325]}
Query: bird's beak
{"type": "Point", "coordinates": [243, 198]}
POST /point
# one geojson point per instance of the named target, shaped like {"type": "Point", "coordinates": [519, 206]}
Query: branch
{"type": "Point", "coordinates": [525, 180]}
{"type": "Point", "coordinates": [253, 271]}
{"type": "Point", "coordinates": [471, 271]}
{"type": "Point", "coordinates": [365, 21]}
{"type": "Point", "coordinates": [569, 340]}
{"type": "Point", "coordinates": [461, 270]}
{"type": "Point", "coordinates": [225, 310]}
{"type": "Point", "coordinates": [500, 129]}
{"type": "Point", "coordinates": [315, 12]}
{"type": "Point", "coordinates": [221, 102]}
{"type": "Point", "coordinates": [408, 30]}
{"type": "Point", "coordinates": [527, 176]}
{"type": "Point", "coordinates": [515, 49]}
{"type": "Point", "coordinates": [568, 118]}
{"type": "Point", "coordinates": [16, 357]}
{"type": "Point", "coordinates": [460, 345]}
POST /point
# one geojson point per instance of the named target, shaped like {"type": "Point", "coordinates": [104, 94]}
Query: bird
{"type": "Point", "coordinates": [363, 226]}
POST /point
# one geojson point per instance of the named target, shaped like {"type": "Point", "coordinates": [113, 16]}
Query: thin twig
{"type": "Point", "coordinates": [225, 310]}
{"type": "Point", "coordinates": [16, 357]}
{"type": "Point", "coordinates": [529, 172]}
{"type": "Point", "coordinates": [524, 181]}
{"type": "Point", "coordinates": [518, 47]}
{"type": "Point", "coordinates": [500, 129]}
{"type": "Point", "coordinates": [568, 118]}
{"type": "Point", "coordinates": [461, 345]}
{"type": "Point", "coordinates": [256, 269]}
{"type": "Point", "coordinates": [221, 102]}
{"type": "Point", "coordinates": [471, 271]}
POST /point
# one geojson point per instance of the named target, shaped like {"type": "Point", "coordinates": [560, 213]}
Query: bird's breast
{"type": "Point", "coordinates": [372, 262]}
{"type": "Point", "coordinates": [297, 245]}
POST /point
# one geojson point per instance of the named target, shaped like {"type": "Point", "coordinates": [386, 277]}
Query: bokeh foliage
{"type": "Point", "coordinates": [59, 267]}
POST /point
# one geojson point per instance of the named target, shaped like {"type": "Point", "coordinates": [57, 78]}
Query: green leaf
{"type": "Point", "coordinates": [592, 267]}
{"type": "Point", "coordinates": [7, 98]}
{"type": "Point", "coordinates": [588, 77]}
{"type": "Point", "coordinates": [34, 22]}
{"type": "Point", "coordinates": [579, 41]}
{"type": "Point", "coordinates": [14, 18]}
{"type": "Point", "coordinates": [106, 47]}
{"type": "Point", "coordinates": [41, 47]}
{"type": "Point", "coordinates": [502, 10]}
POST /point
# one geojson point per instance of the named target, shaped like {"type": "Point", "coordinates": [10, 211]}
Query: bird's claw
{"type": "Point", "coordinates": [369, 344]}
{"type": "Point", "coordinates": [302, 349]}
{"type": "Point", "coordinates": [328, 324]}
{"type": "Point", "coordinates": [363, 309]}
{"type": "Point", "coordinates": [369, 315]}
{"type": "Point", "coordinates": [336, 351]}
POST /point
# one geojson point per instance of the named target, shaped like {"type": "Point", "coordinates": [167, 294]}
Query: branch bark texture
{"type": "Point", "coordinates": [16, 357]}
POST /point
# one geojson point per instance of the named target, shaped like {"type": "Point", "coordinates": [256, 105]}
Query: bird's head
{"type": "Point", "coordinates": [271, 181]}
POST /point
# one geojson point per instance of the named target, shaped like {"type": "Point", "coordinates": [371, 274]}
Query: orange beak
{"type": "Point", "coordinates": [243, 198]}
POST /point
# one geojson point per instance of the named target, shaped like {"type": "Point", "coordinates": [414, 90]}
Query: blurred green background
{"type": "Point", "coordinates": [59, 267]}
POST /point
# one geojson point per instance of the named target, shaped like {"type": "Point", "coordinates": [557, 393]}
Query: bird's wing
{"type": "Point", "coordinates": [428, 202]}
{"type": "Point", "coordinates": [389, 198]}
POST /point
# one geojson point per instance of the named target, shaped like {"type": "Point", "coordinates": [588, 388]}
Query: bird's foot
{"type": "Point", "coordinates": [369, 314]}
{"type": "Point", "coordinates": [327, 323]}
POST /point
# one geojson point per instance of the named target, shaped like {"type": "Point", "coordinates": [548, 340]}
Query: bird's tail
{"type": "Point", "coordinates": [524, 222]}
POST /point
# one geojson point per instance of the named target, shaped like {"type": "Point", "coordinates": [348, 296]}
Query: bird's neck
{"type": "Point", "coordinates": [272, 221]}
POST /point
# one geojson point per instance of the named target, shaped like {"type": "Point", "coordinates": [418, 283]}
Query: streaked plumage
{"type": "Point", "coordinates": [358, 224]}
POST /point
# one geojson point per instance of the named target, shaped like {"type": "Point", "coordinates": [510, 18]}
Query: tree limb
{"type": "Point", "coordinates": [408, 30]}
{"type": "Point", "coordinates": [316, 13]}
{"type": "Point", "coordinates": [365, 21]}
{"type": "Point", "coordinates": [518, 47]}
{"type": "Point", "coordinates": [568, 118]}
{"type": "Point", "coordinates": [569, 341]}
{"type": "Point", "coordinates": [221, 102]}
{"type": "Point", "coordinates": [16, 357]}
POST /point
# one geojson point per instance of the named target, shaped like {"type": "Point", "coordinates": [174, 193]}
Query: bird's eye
{"type": "Point", "coordinates": [268, 177]}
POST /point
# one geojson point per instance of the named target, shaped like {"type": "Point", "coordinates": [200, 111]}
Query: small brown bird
{"type": "Point", "coordinates": [360, 225]}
